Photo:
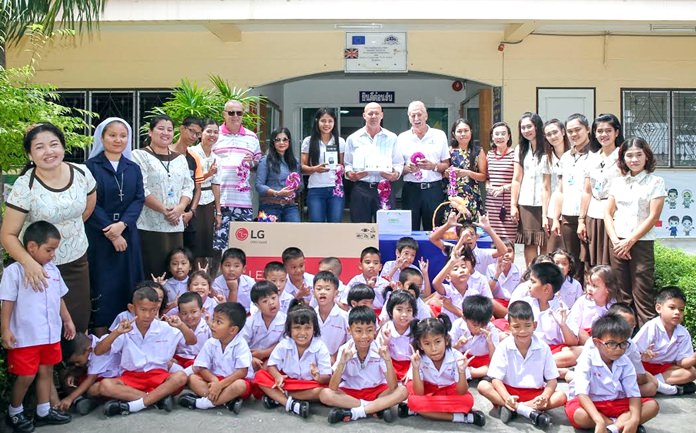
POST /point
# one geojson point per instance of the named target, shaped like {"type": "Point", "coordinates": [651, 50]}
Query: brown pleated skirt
{"type": "Point", "coordinates": [529, 230]}
{"type": "Point", "coordinates": [597, 251]}
{"type": "Point", "coordinates": [155, 246]}
{"type": "Point", "coordinates": [78, 300]}
{"type": "Point", "coordinates": [205, 229]}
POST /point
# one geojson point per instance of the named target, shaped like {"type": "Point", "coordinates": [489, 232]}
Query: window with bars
{"type": "Point", "coordinates": [666, 119]}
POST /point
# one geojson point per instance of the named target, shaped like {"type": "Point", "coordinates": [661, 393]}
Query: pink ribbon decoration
{"type": "Point", "coordinates": [452, 187]}
{"type": "Point", "coordinates": [415, 159]}
{"type": "Point", "coordinates": [243, 174]}
{"type": "Point", "coordinates": [292, 182]}
{"type": "Point", "coordinates": [338, 189]}
{"type": "Point", "coordinates": [263, 217]}
{"type": "Point", "coordinates": [384, 191]}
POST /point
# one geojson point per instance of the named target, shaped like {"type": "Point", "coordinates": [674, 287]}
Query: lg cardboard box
{"type": "Point", "coordinates": [265, 242]}
{"type": "Point", "coordinates": [394, 222]}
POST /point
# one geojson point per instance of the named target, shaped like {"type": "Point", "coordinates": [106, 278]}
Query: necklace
{"type": "Point", "coordinates": [502, 155]}
{"type": "Point", "coordinates": [120, 186]}
{"type": "Point", "coordinates": [157, 155]}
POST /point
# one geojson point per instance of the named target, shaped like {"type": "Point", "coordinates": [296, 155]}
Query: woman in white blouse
{"type": "Point", "coordinates": [557, 144]}
{"type": "Point", "coordinates": [528, 185]}
{"type": "Point", "coordinates": [63, 194]}
{"type": "Point", "coordinates": [633, 208]}
{"type": "Point", "coordinates": [168, 190]}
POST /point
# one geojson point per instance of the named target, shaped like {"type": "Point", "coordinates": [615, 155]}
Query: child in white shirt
{"type": "Point", "coordinates": [396, 332]}
{"type": "Point", "coordinates": [503, 277]}
{"type": "Point", "coordinates": [332, 320]}
{"type": "Point", "coordinates": [127, 315]}
{"type": "Point", "coordinates": [571, 289]}
{"type": "Point", "coordinates": [265, 328]}
{"type": "Point", "coordinates": [190, 307]}
{"type": "Point", "coordinates": [299, 282]}
{"type": "Point", "coordinates": [474, 335]}
{"type": "Point", "coordinates": [370, 265]}
{"type": "Point", "coordinates": [276, 274]}
{"type": "Point", "coordinates": [180, 262]}
{"type": "Point", "coordinates": [233, 285]}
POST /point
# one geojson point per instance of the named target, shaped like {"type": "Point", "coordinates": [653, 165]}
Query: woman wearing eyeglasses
{"type": "Point", "coordinates": [275, 196]}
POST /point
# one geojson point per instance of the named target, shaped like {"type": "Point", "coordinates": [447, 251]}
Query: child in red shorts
{"type": "Point", "coordinates": [31, 327]}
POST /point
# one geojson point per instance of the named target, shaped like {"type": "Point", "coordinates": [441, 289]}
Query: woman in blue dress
{"type": "Point", "coordinates": [115, 260]}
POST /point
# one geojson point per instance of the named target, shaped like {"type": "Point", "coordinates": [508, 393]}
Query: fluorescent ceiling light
{"type": "Point", "coordinates": [358, 26]}
{"type": "Point", "coordinates": [673, 28]}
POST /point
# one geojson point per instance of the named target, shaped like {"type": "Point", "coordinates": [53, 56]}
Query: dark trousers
{"type": "Point", "coordinates": [78, 299]}
{"type": "Point", "coordinates": [422, 199]}
{"type": "Point", "coordinates": [569, 233]}
{"type": "Point", "coordinates": [637, 278]}
{"type": "Point", "coordinates": [364, 202]}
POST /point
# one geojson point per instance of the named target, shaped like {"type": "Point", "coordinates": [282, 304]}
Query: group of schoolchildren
{"type": "Point", "coordinates": [387, 338]}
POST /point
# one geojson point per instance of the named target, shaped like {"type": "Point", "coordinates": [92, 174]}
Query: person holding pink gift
{"type": "Point", "coordinates": [278, 179]}
{"type": "Point", "coordinates": [426, 154]}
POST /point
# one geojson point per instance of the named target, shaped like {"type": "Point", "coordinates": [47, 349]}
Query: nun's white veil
{"type": "Point", "coordinates": [98, 144]}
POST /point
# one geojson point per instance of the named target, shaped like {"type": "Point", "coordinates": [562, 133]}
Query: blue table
{"type": "Point", "coordinates": [387, 246]}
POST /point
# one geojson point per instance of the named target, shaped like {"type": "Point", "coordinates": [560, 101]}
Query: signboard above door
{"type": "Point", "coordinates": [375, 52]}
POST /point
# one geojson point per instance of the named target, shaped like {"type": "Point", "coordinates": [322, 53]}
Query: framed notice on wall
{"type": "Point", "coordinates": [375, 52]}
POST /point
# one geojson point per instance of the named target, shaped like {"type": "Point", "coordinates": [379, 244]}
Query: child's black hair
{"type": "Point", "coordinates": [370, 250]}
{"type": "Point", "coordinates": [234, 311]}
{"type": "Point", "coordinates": [334, 263]}
{"type": "Point", "coordinates": [234, 253]}
{"type": "Point", "coordinates": [404, 276]}
{"type": "Point", "coordinates": [291, 253]}
{"type": "Point", "coordinates": [611, 325]}
{"type": "Point", "coordinates": [467, 255]}
{"type": "Point", "coordinates": [273, 267]}
{"type": "Point", "coordinates": [362, 316]}
{"type": "Point", "coordinates": [187, 297]}
{"type": "Point", "coordinates": [670, 292]}
{"type": "Point", "coordinates": [569, 257]}
{"type": "Point", "coordinates": [301, 314]}
{"type": "Point", "coordinates": [622, 308]}
{"type": "Point", "coordinates": [153, 285]}
{"type": "Point", "coordinates": [183, 250]}
{"type": "Point", "coordinates": [401, 297]}
{"type": "Point", "coordinates": [76, 346]}
{"type": "Point", "coordinates": [406, 242]}
{"type": "Point", "coordinates": [541, 258]}
{"type": "Point", "coordinates": [430, 326]}
{"type": "Point", "coordinates": [478, 309]}
{"type": "Point", "coordinates": [40, 232]}
{"type": "Point", "coordinates": [262, 289]}
{"type": "Point", "coordinates": [548, 273]}
{"type": "Point", "coordinates": [520, 310]}
{"type": "Point", "coordinates": [360, 292]}
{"type": "Point", "coordinates": [145, 293]}
{"type": "Point", "coordinates": [325, 276]}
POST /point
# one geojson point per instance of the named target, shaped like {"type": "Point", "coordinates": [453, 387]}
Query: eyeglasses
{"type": "Point", "coordinates": [283, 140]}
{"type": "Point", "coordinates": [613, 345]}
{"type": "Point", "coordinates": [235, 113]}
{"type": "Point", "coordinates": [194, 132]}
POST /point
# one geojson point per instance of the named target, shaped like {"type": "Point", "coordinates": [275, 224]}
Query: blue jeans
{"type": "Point", "coordinates": [323, 206]}
{"type": "Point", "coordinates": [285, 213]}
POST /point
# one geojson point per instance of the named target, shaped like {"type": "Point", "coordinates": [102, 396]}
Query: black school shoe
{"type": "Point", "coordinates": [84, 405]}
{"type": "Point", "coordinates": [479, 418]}
{"type": "Point", "coordinates": [338, 414]}
{"type": "Point", "coordinates": [116, 407]}
{"type": "Point", "coordinates": [387, 415]}
{"type": "Point", "coordinates": [19, 423]}
{"type": "Point", "coordinates": [688, 388]}
{"type": "Point", "coordinates": [300, 407]}
{"type": "Point", "coordinates": [166, 404]}
{"type": "Point", "coordinates": [234, 405]}
{"type": "Point", "coordinates": [506, 414]}
{"type": "Point", "coordinates": [540, 419]}
{"type": "Point", "coordinates": [54, 417]}
{"type": "Point", "coordinates": [188, 401]}
{"type": "Point", "coordinates": [269, 403]}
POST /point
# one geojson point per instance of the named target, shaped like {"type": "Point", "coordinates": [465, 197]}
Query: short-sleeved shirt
{"type": "Point", "coordinates": [260, 337]}
{"type": "Point", "coordinates": [633, 195]}
{"type": "Point", "coordinates": [477, 344]}
{"type": "Point", "coordinates": [477, 285]}
{"type": "Point", "coordinates": [230, 150]}
{"type": "Point", "coordinates": [666, 349]}
{"type": "Point", "coordinates": [506, 282]}
{"type": "Point", "coordinates": [152, 351]}
{"type": "Point", "coordinates": [585, 312]}
{"type": "Point", "coordinates": [35, 318]}
{"type": "Point", "coordinates": [399, 344]}
{"type": "Point", "coordinates": [106, 365]}
{"type": "Point", "coordinates": [368, 373]}
{"type": "Point", "coordinates": [570, 292]}
{"type": "Point", "coordinates": [326, 179]}
{"type": "Point", "coordinates": [433, 145]}
{"type": "Point", "coordinates": [120, 317]}
{"type": "Point", "coordinates": [205, 163]}
{"type": "Point", "coordinates": [422, 310]}
{"type": "Point", "coordinates": [547, 330]}
{"type": "Point", "coordinates": [63, 208]}
{"type": "Point", "coordinates": [599, 382]}
{"type": "Point", "coordinates": [383, 145]}
{"type": "Point", "coordinates": [202, 333]}
{"type": "Point", "coordinates": [308, 279]}
{"type": "Point", "coordinates": [225, 362]}
{"type": "Point", "coordinates": [380, 285]}
{"type": "Point", "coordinates": [600, 170]}
{"type": "Point", "coordinates": [446, 375]}
{"type": "Point", "coordinates": [175, 288]}
{"type": "Point", "coordinates": [572, 168]}
{"type": "Point", "coordinates": [484, 258]}
{"type": "Point", "coordinates": [286, 358]}
{"type": "Point", "coordinates": [532, 184]}
{"type": "Point", "coordinates": [243, 289]}
{"type": "Point", "coordinates": [553, 169]}
{"type": "Point", "coordinates": [532, 371]}
{"type": "Point", "coordinates": [334, 330]}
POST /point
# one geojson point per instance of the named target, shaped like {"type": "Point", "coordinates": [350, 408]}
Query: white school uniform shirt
{"type": "Point", "coordinates": [633, 195]}
{"type": "Point", "coordinates": [36, 318]}
{"type": "Point", "coordinates": [123, 315]}
{"type": "Point", "coordinates": [391, 264]}
{"type": "Point", "coordinates": [477, 345]}
{"type": "Point", "coordinates": [570, 292]}
{"type": "Point", "coordinates": [585, 312]}
{"type": "Point", "coordinates": [107, 365]}
{"type": "Point", "coordinates": [600, 170]}
{"type": "Point", "coordinates": [599, 382]}
{"type": "Point", "coordinates": [202, 333]}
{"type": "Point", "coordinates": [521, 291]}
{"type": "Point", "coordinates": [399, 346]}
{"type": "Point", "coordinates": [360, 375]}
{"type": "Point", "coordinates": [334, 331]}
{"type": "Point", "coordinates": [309, 281]}
{"type": "Point", "coordinates": [209, 305]}
{"type": "Point", "coordinates": [553, 169]}
{"type": "Point", "coordinates": [476, 285]}
{"type": "Point", "coordinates": [666, 349]}
{"type": "Point", "coordinates": [506, 282]}
{"type": "Point", "coordinates": [243, 290]}
{"type": "Point", "coordinates": [633, 354]}
{"type": "Point", "coordinates": [260, 337]}
{"type": "Point", "coordinates": [286, 358]}
{"type": "Point", "coordinates": [532, 183]}
{"type": "Point", "coordinates": [175, 288]}
{"type": "Point", "coordinates": [508, 365]}
{"type": "Point", "coordinates": [152, 351]}
{"type": "Point", "coordinates": [423, 310]}
{"type": "Point", "coordinates": [572, 169]}
{"type": "Point", "coordinates": [284, 300]}
{"type": "Point", "coordinates": [446, 375]}
{"type": "Point", "coordinates": [380, 285]}
{"type": "Point", "coordinates": [484, 259]}
{"type": "Point", "coordinates": [547, 330]}
{"type": "Point", "coordinates": [223, 363]}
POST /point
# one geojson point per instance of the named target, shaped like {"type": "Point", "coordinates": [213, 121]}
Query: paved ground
{"type": "Point", "coordinates": [676, 414]}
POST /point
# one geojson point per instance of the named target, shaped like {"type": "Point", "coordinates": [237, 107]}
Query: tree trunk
{"type": "Point", "coordinates": [3, 60]}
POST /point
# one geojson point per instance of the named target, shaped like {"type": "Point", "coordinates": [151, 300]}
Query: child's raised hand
{"type": "Point", "coordinates": [203, 268]}
{"type": "Point", "coordinates": [423, 265]}
{"type": "Point", "coordinates": [415, 360]}
{"type": "Point", "coordinates": [314, 371]}
{"type": "Point", "coordinates": [125, 326]}
{"type": "Point", "coordinates": [453, 217]}
{"type": "Point", "coordinates": [8, 339]}
{"type": "Point", "coordinates": [349, 352]}
{"type": "Point", "coordinates": [461, 342]}
{"type": "Point", "coordinates": [386, 335]}
{"type": "Point", "coordinates": [486, 333]}
{"type": "Point", "coordinates": [303, 292]}
{"type": "Point", "coordinates": [384, 352]}
{"type": "Point", "coordinates": [372, 282]}
{"type": "Point", "coordinates": [174, 321]}
{"type": "Point", "coordinates": [463, 362]}
{"type": "Point", "coordinates": [219, 297]}
{"type": "Point", "coordinates": [402, 262]}
{"type": "Point", "coordinates": [69, 330]}
{"type": "Point", "coordinates": [561, 314]}
{"type": "Point", "coordinates": [648, 354]}
{"type": "Point", "coordinates": [483, 222]}
{"type": "Point", "coordinates": [160, 280]}
{"type": "Point", "coordinates": [447, 303]}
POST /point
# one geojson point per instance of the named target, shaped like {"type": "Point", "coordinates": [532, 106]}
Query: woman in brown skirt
{"type": "Point", "coordinates": [500, 169]}
{"type": "Point", "coordinates": [168, 190]}
{"type": "Point", "coordinates": [557, 144]}
{"type": "Point", "coordinates": [601, 168]}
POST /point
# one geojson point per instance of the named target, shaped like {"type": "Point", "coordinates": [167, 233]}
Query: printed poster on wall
{"type": "Point", "coordinates": [677, 218]}
{"type": "Point", "coordinates": [375, 52]}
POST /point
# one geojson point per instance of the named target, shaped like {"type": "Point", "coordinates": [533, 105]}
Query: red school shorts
{"type": "Point", "coordinates": [401, 368]}
{"type": "Point", "coordinates": [443, 399]}
{"type": "Point", "coordinates": [184, 362]}
{"type": "Point", "coordinates": [25, 361]}
{"type": "Point", "coordinates": [524, 394]}
{"type": "Point", "coordinates": [264, 378]}
{"type": "Point", "coordinates": [655, 369]}
{"type": "Point", "coordinates": [504, 302]}
{"type": "Point", "coordinates": [555, 348]}
{"type": "Point", "coordinates": [369, 394]}
{"type": "Point", "coordinates": [480, 361]}
{"type": "Point", "coordinates": [609, 408]}
{"type": "Point", "coordinates": [145, 381]}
